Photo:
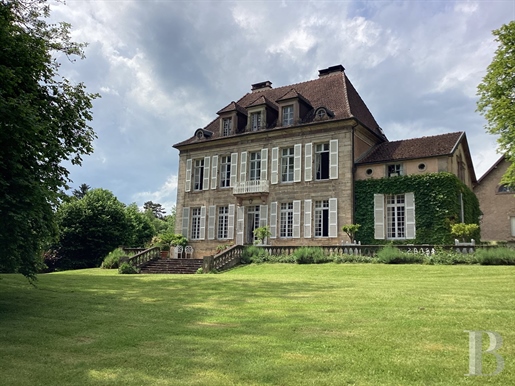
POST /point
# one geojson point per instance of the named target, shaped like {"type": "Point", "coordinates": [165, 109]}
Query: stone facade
{"type": "Point", "coordinates": [497, 204]}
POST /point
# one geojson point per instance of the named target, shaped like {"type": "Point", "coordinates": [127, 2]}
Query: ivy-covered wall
{"type": "Point", "coordinates": [437, 205]}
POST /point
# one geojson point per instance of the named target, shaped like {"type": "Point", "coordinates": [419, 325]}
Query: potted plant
{"type": "Point", "coordinates": [350, 230]}
{"type": "Point", "coordinates": [261, 234]}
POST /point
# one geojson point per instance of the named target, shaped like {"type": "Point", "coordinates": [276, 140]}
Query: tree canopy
{"type": "Point", "coordinates": [497, 96]}
{"type": "Point", "coordinates": [43, 122]}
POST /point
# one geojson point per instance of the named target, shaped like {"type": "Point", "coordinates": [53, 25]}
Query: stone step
{"type": "Point", "coordinates": [171, 266]}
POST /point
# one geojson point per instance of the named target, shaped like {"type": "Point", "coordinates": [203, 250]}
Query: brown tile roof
{"type": "Point", "coordinates": [231, 107]}
{"type": "Point", "coordinates": [423, 147]}
{"type": "Point", "coordinates": [262, 100]}
{"type": "Point", "coordinates": [333, 91]}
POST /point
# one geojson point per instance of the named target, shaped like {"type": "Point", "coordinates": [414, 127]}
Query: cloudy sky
{"type": "Point", "coordinates": [164, 68]}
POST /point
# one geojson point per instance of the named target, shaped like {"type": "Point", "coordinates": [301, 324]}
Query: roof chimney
{"type": "Point", "coordinates": [266, 85]}
{"type": "Point", "coordinates": [330, 70]}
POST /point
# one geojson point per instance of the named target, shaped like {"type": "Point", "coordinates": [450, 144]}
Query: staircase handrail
{"type": "Point", "coordinates": [226, 259]}
{"type": "Point", "coordinates": [144, 257]}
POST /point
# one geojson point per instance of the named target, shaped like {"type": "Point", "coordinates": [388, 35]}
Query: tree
{"type": "Point", "coordinates": [141, 228]}
{"type": "Point", "coordinates": [81, 191]}
{"type": "Point", "coordinates": [497, 96]}
{"type": "Point", "coordinates": [90, 228]}
{"type": "Point", "coordinates": [156, 209]}
{"type": "Point", "coordinates": [43, 121]}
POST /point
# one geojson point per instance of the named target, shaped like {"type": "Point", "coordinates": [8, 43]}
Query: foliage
{"type": "Point", "coordinates": [310, 255]}
{"type": "Point", "coordinates": [253, 254]}
{"type": "Point", "coordinates": [222, 247]}
{"type": "Point", "coordinates": [165, 240]}
{"type": "Point", "coordinates": [113, 258]}
{"type": "Point", "coordinates": [141, 228]}
{"type": "Point", "coordinates": [497, 96]}
{"type": "Point", "coordinates": [200, 271]}
{"type": "Point", "coordinates": [350, 230]}
{"type": "Point", "coordinates": [262, 233]}
{"type": "Point", "coordinates": [90, 228]}
{"type": "Point", "coordinates": [81, 191]}
{"type": "Point", "coordinates": [43, 122]}
{"type": "Point", "coordinates": [495, 256]}
{"type": "Point", "coordinates": [391, 255]}
{"type": "Point", "coordinates": [156, 209]}
{"type": "Point", "coordinates": [464, 231]}
{"type": "Point", "coordinates": [344, 258]}
{"type": "Point", "coordinates": [437, 205]}
{"type": "Point", "coordinates": [126, 268]}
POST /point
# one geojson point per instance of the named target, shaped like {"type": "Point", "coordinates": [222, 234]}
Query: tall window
{"type": "Point", "coordinates": [255, 121]}
{"type": "Point", "coordinates": [195, 223]}
{"type": "Point", "coordinates": [322, 218]}
{"type": "Point", "coordinates": [198, 174]}
{"type": "Point", "coordinates": [223, 222]}
{"type": "Point", "coordinates": [394, 170]}
{"type": "Point", "coordinates": [226, 126]}
{"type": "Point", "coordinates": [322, 161]}
{"type": "Point", "coordinates": [225, 171]}
{"type": "Point", "coordinates": [287, 115]}
{"type": "Point", "coordinates": [396, 216]}
{"type": "Point", "coordinates": [287, 164]}
{"type": "Point", "coordinates": [255, 166]}
{"type": "Point", "coordinates": [286, 219]}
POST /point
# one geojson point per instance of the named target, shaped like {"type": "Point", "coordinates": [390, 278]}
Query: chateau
{"type": "Point", "coordinates": [289, 158]}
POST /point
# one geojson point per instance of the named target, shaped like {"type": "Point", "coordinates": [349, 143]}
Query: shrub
{"type": "Point", "coordinates": [310, 255]}
{"type": "Point", "coordinates": [112, 260]}
{"type": "Point", "coordinates": [253, 254]}
{"type": "Point", "coordinates": [345, 258]}
{"type": "Point", "coordinates": [495, 256]}
{"type": "Point", "coordinates": [126, 268]}
{"type": "Point", "coordinates": [464, 231]}
{"type": "Point", "coordinates": [391, 255]}
{"type": "Point", "coordinates": [200, 271]}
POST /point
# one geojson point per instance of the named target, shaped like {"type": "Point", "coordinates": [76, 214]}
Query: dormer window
{"type": "Point", "coordinates": [226, 127]}
{"type": "Point", "coordinates": [321, 114]}
{"type": "Point", "coordinates": [255, 121]}
{"type": "Point", "coordinates": [287, 115]}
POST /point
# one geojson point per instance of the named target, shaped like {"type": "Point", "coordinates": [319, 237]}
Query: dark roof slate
{"type": "Point", "coordinates": [424, 147]}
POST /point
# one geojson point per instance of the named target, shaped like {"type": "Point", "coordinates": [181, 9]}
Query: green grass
{"type": "Point", "coordinates": [269, 324]}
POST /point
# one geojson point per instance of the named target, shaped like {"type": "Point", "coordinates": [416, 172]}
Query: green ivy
{"type": "Point", "coordinates": [437, 205]}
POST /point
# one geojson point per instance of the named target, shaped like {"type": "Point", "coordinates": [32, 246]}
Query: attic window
{"type": "Point", "coordinates": [321, 113]}
{"type": "Point", "coordinates": [199, 134]}
{"type": "Point", "coordinates": [422, 167]}
{"type": "Point", "coordinates": [394, 170]}
{"type": "Point", "coordinates": [369, 172]}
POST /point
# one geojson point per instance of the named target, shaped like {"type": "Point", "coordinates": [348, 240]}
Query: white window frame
{"type": "Point", "coordinates": [394, 170]}
{"type": "Point", "coordinates": [395, 205]}
{"type": "Point", "coordinates": [226, 127]}
{"type": "Point", "coordinates": [322, 158]}
{"type": "Point", "coordinates": [223, 223]}
{"type": "Point", "coordinates": [321, 211]}
{"type": "Point", "coordinates": [255, 165]}
{"type": "Point", "coordinates": [288, 164]}
{"type": "Point", "coordinates": [394, 219]}
{"type": "Point", "coordinates": [287, 115]}
{"type": "Point", "coordinates": [195, 223]}
{"type": "Point", "coordinates": [286, 220]}
{"type": "Point", "coordinates": [255, 121]}
{"type": "Point", "coordinates": [225, 171]}
{"type": "Point", "coordinates": [198, 174]}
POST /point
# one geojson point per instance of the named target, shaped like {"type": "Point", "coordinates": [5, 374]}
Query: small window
{"type": "Point", "coordinates": [255, 121]}
{"type": "Point", "coordinates": [321, 114]}
{"type": "Point", "coordinates": [395, 170]}
{"type": "Point", "coordinates": [226, 127]}
{"type": "Point", "coordinates": [421, 166]}
{"type": "Point", "coordinates": [369, 172]}
{"type": "Point", "coordinates": [288, 115]}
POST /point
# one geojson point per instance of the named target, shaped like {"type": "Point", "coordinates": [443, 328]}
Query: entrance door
{"type": "Point", "coordinates": [252, 223]}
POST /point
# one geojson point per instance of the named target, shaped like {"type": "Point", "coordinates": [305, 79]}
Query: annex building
{"type": "Point", "coordinates": [290, 158]}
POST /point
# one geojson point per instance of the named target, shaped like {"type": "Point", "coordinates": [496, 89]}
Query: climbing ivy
{"type": "Point", "coordinates": [437, 205]}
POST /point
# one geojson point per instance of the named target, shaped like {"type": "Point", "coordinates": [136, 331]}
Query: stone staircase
{"type": "Point", "coordinates": [187, 266]}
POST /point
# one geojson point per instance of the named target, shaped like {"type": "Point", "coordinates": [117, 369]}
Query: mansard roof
{"type": "Point", "coordinates": [332, 90]}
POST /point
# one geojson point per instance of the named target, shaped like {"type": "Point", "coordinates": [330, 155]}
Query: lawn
{"type": "Point", "coordinates": [269, 324]}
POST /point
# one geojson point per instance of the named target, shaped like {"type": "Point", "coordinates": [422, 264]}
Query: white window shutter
{"type": "Point", "coordinates": [207, 169]}
{"type": "Point", "coordinates": [296, 219]}
{"type": "Point", "coordinates": [307, 219]}
{"type": "Point", "coordinates": [333, 159]}
{"type": "Point", "coordinates": [187, 186]}
{"type": "Point", "coordinates": [410, 215]}
{"type": "Point", "coordinates": [186, 221]}
{"type": "Point", "coordinates": [263, 215]}
{"type": "Point", "coordinates": [214, 171]}
{"type": "Point", "coordinates": [211, 223]}
{"type": "Point", "coordinates": [264, 164]}
{"type": "Point", "coordinates": [243, 166]}
{"type": "Point", "coordinates": [308, 167]}
{"type": "Point", "coordinates": [379, 216]}
{"type": "Point", "coordinates": [202, 223]}
{"type": "Point", "coordinates": [234, 169]}
{"type": "Point", "coordinates": [297, 162]}
{"type": "Point", "coordinates": [333, 217]}
{"type": "Point", "coordinates": [273, 220]}
{"type": "Point", "coordinates": [274, 178]}
{"type": "Point", "coordinates": [240, 211]}
{"type": "Point", "coordinates": [230, 225]}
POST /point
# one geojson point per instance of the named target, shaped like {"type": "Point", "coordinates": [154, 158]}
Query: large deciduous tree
{"type": "Point", "coordinates": [43, 121]}
{"type": "Point", "coordinates": [497, 96]}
